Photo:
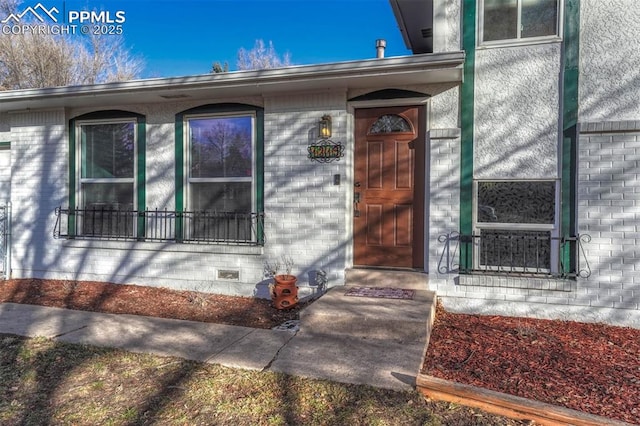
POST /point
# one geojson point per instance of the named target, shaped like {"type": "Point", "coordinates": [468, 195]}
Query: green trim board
{"type": "Point", "coordinates": [179, 153]}
{"type": "Point", "coordinates": [71, 224]}
{"type": "Point", "coordinates": [179, 176]}
{"type": "Point", "coordinates": [466, 132]}
{"type": "Point", "coordinates": [569, 148]}
{"type": "Point", "coordinates": [142, 175]}
{"type": "Point", "coordinates": [569, 96]}
{"type": "Point", "coordinates": [5, 145]}
{"type": "Point", "coordinates": [260, 172]}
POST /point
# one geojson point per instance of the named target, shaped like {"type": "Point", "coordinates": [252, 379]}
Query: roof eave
{"type": "Point", "coordinates": [308, 77]}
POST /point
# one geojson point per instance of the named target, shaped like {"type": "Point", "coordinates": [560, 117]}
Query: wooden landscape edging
{"type": "Point", "coordinates": [508, 405]}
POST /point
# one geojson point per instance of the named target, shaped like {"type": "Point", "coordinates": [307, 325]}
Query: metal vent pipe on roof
{"type": "Point", "coordinates": [380, 45]}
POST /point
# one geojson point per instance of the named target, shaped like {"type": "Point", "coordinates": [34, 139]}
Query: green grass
{"type": "Point", "coordinates": [47, 382]}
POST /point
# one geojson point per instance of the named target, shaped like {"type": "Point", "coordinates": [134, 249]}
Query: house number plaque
{"type": "Point", "coordinates": [326, 151]}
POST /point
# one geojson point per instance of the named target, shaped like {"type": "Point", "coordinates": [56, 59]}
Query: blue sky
{"type": "Point", "coordinates": [178, 38]}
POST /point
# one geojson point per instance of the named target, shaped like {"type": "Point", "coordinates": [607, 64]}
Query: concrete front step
{"type": "Point", "coordinates": [400, 320]}
{"type": "Point", "coordinates": [398, 278]}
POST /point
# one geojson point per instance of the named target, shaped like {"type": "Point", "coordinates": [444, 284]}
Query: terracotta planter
{"type": "Point", "coordinates": [285, 280]}
{"type": "Point", "coordinates": [284, 292]}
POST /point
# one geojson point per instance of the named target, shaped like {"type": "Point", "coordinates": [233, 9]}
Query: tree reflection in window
{"type": "Point", "coordinates": [221, 147]}
{"type": "Point", "coordinates": [390, 123]}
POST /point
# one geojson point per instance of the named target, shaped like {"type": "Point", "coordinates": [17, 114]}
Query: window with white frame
{"type": "Point", "coordinates": [503, 20]}
{"type": "Point", "coordinates": [516, 226]}
{"type": "Point", "coordinates": [220, 177]}
{"type": "Point", "coordinates": [106, 176]}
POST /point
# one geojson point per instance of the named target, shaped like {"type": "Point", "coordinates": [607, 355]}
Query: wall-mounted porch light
{"type": "Point", "coordinates": [325, 150]}
{"type": "Point", "coordinates": [324, 127]}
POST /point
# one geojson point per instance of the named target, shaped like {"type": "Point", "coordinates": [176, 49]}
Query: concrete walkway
{"type": "Point", "coordinates": [388, 357]}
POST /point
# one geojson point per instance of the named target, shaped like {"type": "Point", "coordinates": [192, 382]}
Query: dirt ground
{"type": "Point", "coordinates": [593, 368]}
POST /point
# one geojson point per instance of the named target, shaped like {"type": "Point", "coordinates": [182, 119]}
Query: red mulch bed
{"type": "Point", "coordinates": [592, 368]}
{"type": "Point", "coordinates": [149, 301]}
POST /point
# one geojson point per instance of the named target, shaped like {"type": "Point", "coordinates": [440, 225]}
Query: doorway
{"type": "Point", "coordinates": [389, 182]}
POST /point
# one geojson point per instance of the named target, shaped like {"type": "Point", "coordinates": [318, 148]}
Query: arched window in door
{"type": "Point", "coordinates": [390, 123]}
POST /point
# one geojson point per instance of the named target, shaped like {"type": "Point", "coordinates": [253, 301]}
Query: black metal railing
{"type": "Point", "coordinates": [107, 220]}
{"type": "Point", "coordinates": [109, 223]}
{"type": "Point", "coordinates": [505, 251]}
{"type": "Point", "coordinates": [509, 252]}
{"type": "Point", "coordinates": [221, 227]}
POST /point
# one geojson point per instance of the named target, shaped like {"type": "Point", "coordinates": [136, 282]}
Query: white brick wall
{"type": "Point", "coordinates": [38, 186]}
{"type": "Point", "coordinates": [443, 198]}
{"type": "Point", "coordinates": [305, 211]}
{"type": "Point", "coordinates": [609, 211]}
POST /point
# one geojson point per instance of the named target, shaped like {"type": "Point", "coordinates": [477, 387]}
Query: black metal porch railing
{"type": "Point", "coordinates": [108, 223]}
{"type": "Point", "coordinates": [534, 253]}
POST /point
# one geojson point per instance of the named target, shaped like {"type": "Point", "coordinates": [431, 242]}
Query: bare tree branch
{"type": "Point", "coordinates": [218, 68]}
{"type": "Point", "coordinates": [40, 60]}
{"type": "Point", "coordinates": [261, 57]}
{"type": "Point", "coordinates": [8, 7]}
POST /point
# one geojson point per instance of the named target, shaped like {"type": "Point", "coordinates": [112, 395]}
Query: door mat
{"type": "Point", "coordinates": [381, 292]}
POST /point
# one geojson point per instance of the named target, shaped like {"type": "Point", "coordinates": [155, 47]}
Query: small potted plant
{"type": "Point", "coordinates": [286, 278]}
{"type": "Point", "coordinates": [284, 292]}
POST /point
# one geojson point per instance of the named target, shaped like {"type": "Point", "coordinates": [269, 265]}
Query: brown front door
{"type": "Point", "coordinates": [389, 187]}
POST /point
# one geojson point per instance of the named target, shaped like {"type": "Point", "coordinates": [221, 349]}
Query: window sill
{"type": "Point", "coordinates": [164, 246]}
{"type": "Point", "coordinates": [518, 43]}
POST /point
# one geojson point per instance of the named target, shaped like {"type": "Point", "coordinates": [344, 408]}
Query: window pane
{"type": "Point", "coordinates": [500, 20]}
{"type": "Point", "coordinates": [390, 123]}
{"type": "Point", "coordinates": [108, 150]}
{"type": "Point", "coordinates": [516, 202]}
{"type": "Point", "coordinates": [221, 196]}
{"type": "Point", "coordinates": [118, 196]}
{"type": "Point", "coordinates": [108, 209]}
{"type": "Point", "coordinates": [221, 147]}
{"type": "Point", "coordinates": [539, 18]}
{"type": "Point", "coordinates": [516, 250]}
